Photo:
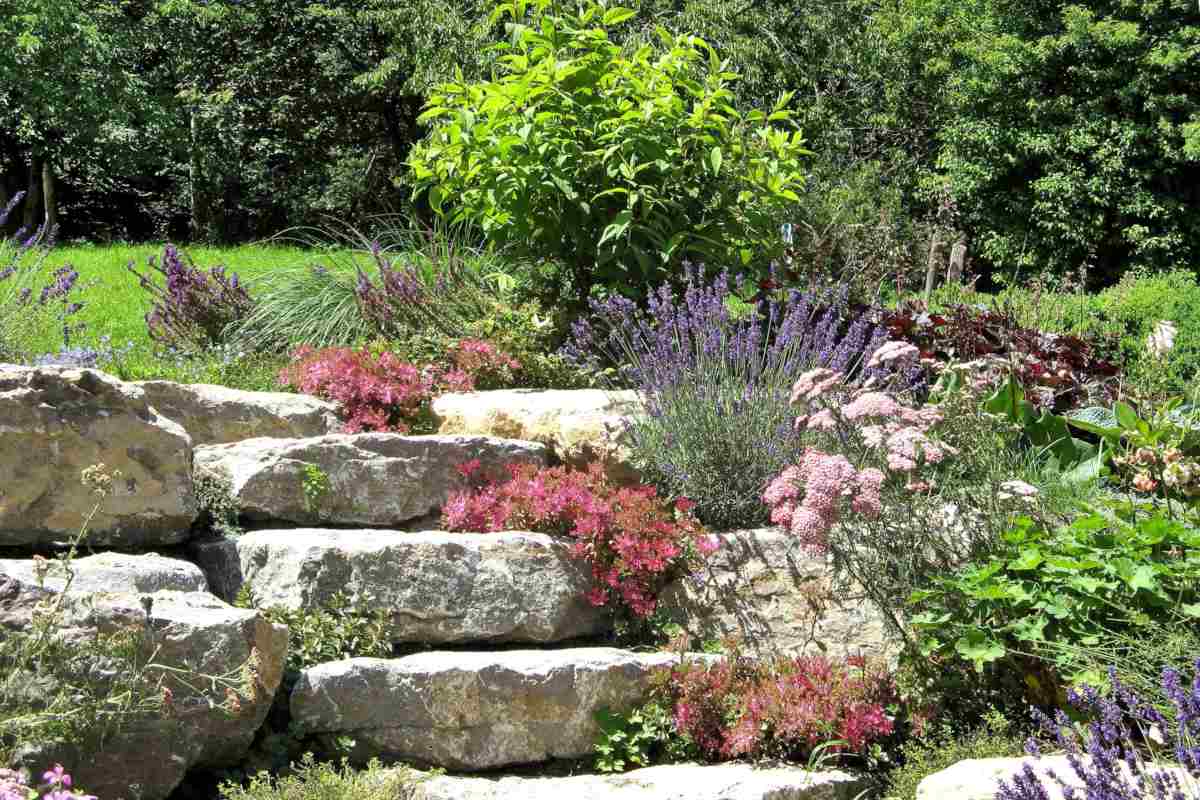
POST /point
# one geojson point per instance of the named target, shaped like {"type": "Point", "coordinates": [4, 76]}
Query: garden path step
{"type": "Point", "coordinates": [668, 782]}
{"type": "Point", "coordinates": [436, 587]}
{"type": "Point", "coordinates": [365, 479]}
{"type": "Point", "coordinates": [472, 711]}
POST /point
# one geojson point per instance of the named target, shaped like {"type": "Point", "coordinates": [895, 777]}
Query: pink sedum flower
{"type": "Point", "coordinates": [894, 353]}
{"type": "Point", "coordinates": [873, 405]}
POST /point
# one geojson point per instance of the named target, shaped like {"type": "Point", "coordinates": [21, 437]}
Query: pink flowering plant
{"type": "Point", "coordinates": [894, 491]}
{"type": "Point", "coordinates": [633, 540]}
{"type": "Point", "coordinates": [56, 784]}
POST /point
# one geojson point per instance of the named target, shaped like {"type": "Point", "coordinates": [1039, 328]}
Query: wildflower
{"type": "Point", "coordinates": [1017, 490]}
{"type": "Point", "coordinates": [895, 353]}
{"type": "Point", "coordinates": [821, 421]}
{"type": "Point", "coordinates": [1162, 339]}
{"type": "Point", "coordinates": [1142, 482]}
{"type": "Point", "coordinates": [812, 384]}
{"type": "Point", "coordinates": [871, 404]}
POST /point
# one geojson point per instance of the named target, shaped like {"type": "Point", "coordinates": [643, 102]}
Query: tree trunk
{"type": "Point", "coordinates": [49, 197]}
{"type": "Point", "coordinates": [33, 197]}
{"type": "Point", "coordinates": [931, 269]}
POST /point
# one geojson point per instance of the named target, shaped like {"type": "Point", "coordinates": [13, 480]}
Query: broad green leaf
{"type": "Point", "coordinates": [714, 160]}
{"type": "Point", "coordinates": [977, 646]}
{"type": "Point", "coordinates": [1126, 416]}
{"type": "Point", "coordinates": [1029, 558]}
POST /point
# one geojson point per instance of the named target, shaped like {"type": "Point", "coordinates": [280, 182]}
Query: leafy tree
{"type": "Point", "coordinates": [617, 163]}
{"type": "Point", "coordinates": [1068, 133]}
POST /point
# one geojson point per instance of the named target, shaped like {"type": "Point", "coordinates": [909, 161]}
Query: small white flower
{"type": "Point", "coordinates": [1161, 339]}
{"type": "Point", "coordinates": [1017, 490]}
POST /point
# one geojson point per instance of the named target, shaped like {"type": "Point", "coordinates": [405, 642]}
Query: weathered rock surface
{"type": "Point", "coordinates": [578, 425]}
{"type": "Point", "coordinates": [113, 572]}
{"type": "Point", "coordinates": [668, 782]}
{"type": "Point", "coordinates": [55, 422]}
{"type": "Point", "coordinates": [761, 588]}
{"type": "Point", "coordinates": [219, 415]}
{"type": "Point", "coordinates": [472, 710]}
{"type": "Point", "coordinates": [978, 778]}
{"type": "Point", "coordinates": [192, 632]}
{"type": "Point", "coordinates": [437, 587]}
{"type": "Point", "coordinates": [374, 479]}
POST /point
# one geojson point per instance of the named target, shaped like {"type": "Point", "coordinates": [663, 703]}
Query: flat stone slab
{"type": "Point", "coordinates": [760, 587]}
{"type": "Point", "coordinates": [200, 638]}
{"type": "Point", "coordinates": [472, 710]}
{"type": "Point", "coordinates": [668, 782]}
{"type": "Point", "coordinates": [112, 572]}
{"type": "Point", "coordinates": [57, 421]}
{"type": "Point", "coordinates": [219, 415]}
{"type": "Point", "coordinates": [370, 479]}
{"type": "Point", "coordinates": [578, 425]}
{"type": "Point", "coordinates": [437, 587]}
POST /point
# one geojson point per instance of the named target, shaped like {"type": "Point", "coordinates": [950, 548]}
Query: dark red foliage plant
{"type": "Point", "coordinates": [1058, 371]}
{"type": "Point", "coordinates": [633, 539]}
{"type": "Point", "coordinates": [740, 707]}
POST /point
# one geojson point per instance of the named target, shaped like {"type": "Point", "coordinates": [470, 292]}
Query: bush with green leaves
{"type": "Point", "coordinates": [310, 779]}
{"type": "Point", "coordinates": [1067, 133]}
{"type": "Point", "coordinates": [619, 164]}
{"type": "Point", "coordinates": [942, 747]}
{"type": "Point", "coordinates": [1029, 607]}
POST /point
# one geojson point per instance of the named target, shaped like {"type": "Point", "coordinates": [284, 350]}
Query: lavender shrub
{"type": "Point", "coordinates": [715, 374]}
{"type": "Point", "coordinates": [1106, 756]}
{"type": "Point", "coordinates": [193, 309]}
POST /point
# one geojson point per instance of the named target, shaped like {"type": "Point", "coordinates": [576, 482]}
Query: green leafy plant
{"type": "Point", "coordinates": [943, 747]}
{"type": "Point", "coordinates": [316, 488]}
{"type": "Point", "coordinates": [618, 164]}
{"type": "Point", "coordinates": [310, 779]}
{"type": "Point", "coordinates": [214, 499]}
{"type": "Point", "coordinates": [342, 628]}
{"type": "Point", "coordinates": [1051, 589]}
{"type": "Point", "coordinates": [636, 739]}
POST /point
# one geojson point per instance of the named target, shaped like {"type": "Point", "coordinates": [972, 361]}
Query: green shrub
{"type": "Point", "coordinates": [313, 780]}
{"type": "Point", "coordinates": [945, 747]}
{"type": "Point", "coordinates": [1051, 591]}
{"type": "Point", "coordinates": [618, 164]}
{"type": "Point", "coordinates": [1135, 306]}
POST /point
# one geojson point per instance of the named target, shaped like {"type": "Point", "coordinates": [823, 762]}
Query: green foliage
{"type": "Point", "coordinates": [944, 747]}
{"type": "Point", "coordinates": [1068, 133]}
{"type": "Point", "coordinates": [343, 628]}
{"type": "Point", "coordinates": [313, 780]}
{"type": "Point", "coordinates": [218, 511]}
{"type": "Point", "coordinates": [633, 740]}
{"type": "Point", "coordinates": [1053, 589]}
{"type": "Point", "coordinates": [316, 487]}
{"type": "Point", "coordinates": [619, 164]}
{"type": "Point", "coordinates": [1135, 306]}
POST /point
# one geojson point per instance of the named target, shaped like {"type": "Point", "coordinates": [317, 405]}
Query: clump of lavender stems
{"type": "Point", "coordinates": [1107, 756]}
{"type": "Point", "coordinates": [715, 374]}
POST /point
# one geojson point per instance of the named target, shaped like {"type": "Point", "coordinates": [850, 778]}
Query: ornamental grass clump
{"type": "Point", "coordinates": [633, 539]}
{"type": "Point", "coordinates": [1128, 751]}
{"type": "Point", "coordinates": [715, 373]}
{"type": "Point", "coordinates": [193, 310]}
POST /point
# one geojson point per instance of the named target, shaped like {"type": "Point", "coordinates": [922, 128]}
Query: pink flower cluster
{"type": "Point", "coordinates": [376, 391]}
{"type": "Point", "coordinates": [485, 364]}
{"type": "Point", "coordinates": [631, 538]}
{"type": "Point", "coordinates": [806, 498]}
{"type": "Point", "coordinates": [56, 785]}
{"type": "Point", "coordinates": [902, 432]}
{"type": "Point", "coordinates": [789, 708]}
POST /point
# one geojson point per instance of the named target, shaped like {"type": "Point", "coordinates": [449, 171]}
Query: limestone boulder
{"type": "Point", "coordinates": [761, 588]}
{"type": "Point", "coordinates": [472, 710]}
{"type": "Point", "coordinates": [221, 664]}
{"type": "Point", "coordinates": [979, 778]}
{"type": "Point", "coordinates": [578, 425]}
{"type": "Point", "coordinates": [667, 782]}
{"type": "Point", "coordinates": [219, 415]}
{"type": "Point", "coordinates": [54, 423]}
{"type": "Point", "coordinates": [436, 587]}
{"type": "Point", "coordinates": [365, 479]}
{"type": "Point", "coordinates": [111, 572]}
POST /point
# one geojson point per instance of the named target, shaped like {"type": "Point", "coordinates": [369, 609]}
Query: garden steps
{"type": "Point", "coordinates": [472, 710]}
{"type": "Point", "coordinates": [435, 587]}
{"type": "Point", "coordinates": [378, 480]}
{"type": "Point", "coordinates": [668, 782]}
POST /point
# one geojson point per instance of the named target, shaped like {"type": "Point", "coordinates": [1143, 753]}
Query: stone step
{"type": "Point", "coordinates": [54, 423]}
{"type": "Point", "coordinates": [219, 415]}
{"type": "Point", "coordinates": [112, 572]}
{"type": "Point", "coordinates": [437, 587]}
{"type": "Point", "coordinates": [578, 425]}
{"type": "Point", "coordinates": [370, 479]}
{"type": "Point", "coordinates": [668, 782]}
{"type": "Point", "coordinates": [472, 711]}
{"type": "Point", "coordinates": [197, 638]}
